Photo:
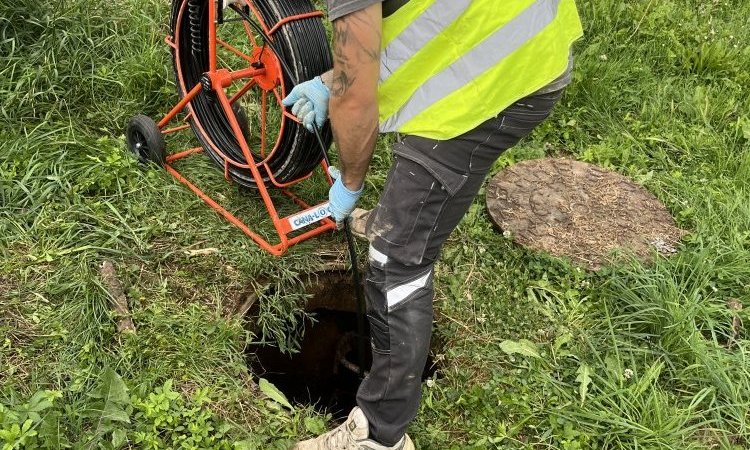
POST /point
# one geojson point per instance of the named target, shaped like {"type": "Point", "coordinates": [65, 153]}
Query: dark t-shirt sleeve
{"type": "Point", "coordinates": [339, 8]}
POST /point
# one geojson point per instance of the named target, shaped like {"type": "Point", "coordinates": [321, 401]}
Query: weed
{"type": "Point", "coordinates": [537, 354]}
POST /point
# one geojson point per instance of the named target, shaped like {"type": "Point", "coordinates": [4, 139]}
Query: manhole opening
{"type": "Point", "coordinates": [325, 372]}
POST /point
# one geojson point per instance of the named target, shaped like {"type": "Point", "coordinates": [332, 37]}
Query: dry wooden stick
{"type": "Point", "coordinates": [117, 296]}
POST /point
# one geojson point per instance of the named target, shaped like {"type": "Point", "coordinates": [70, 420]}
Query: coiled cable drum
{"type": "Point", "coordinates": [300, 45]}
{"type": "Point", "coordinates": [195, 26]}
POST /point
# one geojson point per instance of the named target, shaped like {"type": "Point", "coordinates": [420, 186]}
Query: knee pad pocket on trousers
{"type": "Point", "coordinates": [400, 294]}
{"type": "Point", "coordinates": [380, 338]}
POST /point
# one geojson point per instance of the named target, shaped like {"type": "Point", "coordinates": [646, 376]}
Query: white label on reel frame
{"type": "Point", "coordinates": [310, 216]}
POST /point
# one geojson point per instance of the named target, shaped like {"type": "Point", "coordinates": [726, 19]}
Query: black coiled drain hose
{"type": "Point", "coordinates": [194, 10]}
{"type": "Point", "coordinates": [302, 48]}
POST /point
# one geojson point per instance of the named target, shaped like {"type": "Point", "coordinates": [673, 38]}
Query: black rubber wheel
{"type": "Point", "coordinates": [145, 140]}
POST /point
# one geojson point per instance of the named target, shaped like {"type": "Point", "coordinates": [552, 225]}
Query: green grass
{"type": "Point", "coordinates": [632, 357]}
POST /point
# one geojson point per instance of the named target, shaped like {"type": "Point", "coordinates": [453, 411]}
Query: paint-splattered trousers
{"type": "Point", "coordinates": [429, 188]}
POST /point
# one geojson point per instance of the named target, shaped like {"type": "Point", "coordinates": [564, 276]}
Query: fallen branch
{"type": "Point", "coordinates": [735, 306]}
{"type": "Point", "coordinates": [117, 296]}
{"type": "Point", "coordinates": [202, 252]}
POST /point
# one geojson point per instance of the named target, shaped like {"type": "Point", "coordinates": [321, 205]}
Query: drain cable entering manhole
{"type": "Point", "coordinates": [325, 371]}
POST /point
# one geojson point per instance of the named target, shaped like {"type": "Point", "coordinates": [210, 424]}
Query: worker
{"type": "Point", "coordinates": [459, 81]}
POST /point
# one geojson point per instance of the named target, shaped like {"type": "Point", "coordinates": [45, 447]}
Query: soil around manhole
{"type": "Point", "coordinates": [325, 372]}
{"type": "Point", "coordinates": [581, 211]}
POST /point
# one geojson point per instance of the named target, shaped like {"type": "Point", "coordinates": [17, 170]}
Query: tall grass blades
{"type": "Point", "coordinates": [530, 352]}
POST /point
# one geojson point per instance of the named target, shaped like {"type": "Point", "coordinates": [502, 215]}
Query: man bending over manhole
{"type": "Point", "coordinates": [460, 81]}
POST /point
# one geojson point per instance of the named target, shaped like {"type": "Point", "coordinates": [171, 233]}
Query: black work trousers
{"type": "Point", "coordinates": [429, 188]}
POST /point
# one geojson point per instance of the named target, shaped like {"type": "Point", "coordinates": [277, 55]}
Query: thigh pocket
{"type": "Point", "coordinates": [407, 213]}
{"type": "Point", "coordinates": [410, 198]}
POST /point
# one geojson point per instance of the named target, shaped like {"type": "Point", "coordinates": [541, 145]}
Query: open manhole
{"type": "Point", "coordinates": [325, 372]}
{"type": "Point", "coordinates": [581, 211]}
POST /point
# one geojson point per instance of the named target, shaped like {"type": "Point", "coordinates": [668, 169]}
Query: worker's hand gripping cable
{"type": "Point", "coordinates": [341, 200]}
{"type": "Point", "coordinates": [309, 102]}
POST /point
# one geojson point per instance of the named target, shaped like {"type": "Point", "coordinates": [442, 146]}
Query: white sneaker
{"type": "Point", "coordinates": [351, 435]}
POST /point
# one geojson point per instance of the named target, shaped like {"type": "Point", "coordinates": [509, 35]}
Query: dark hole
{"type": "Point", "coordinates": [325, 372]}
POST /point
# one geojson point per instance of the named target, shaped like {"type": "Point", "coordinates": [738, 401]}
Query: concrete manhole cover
{"type": "Point", "coordinates": [569, 208]}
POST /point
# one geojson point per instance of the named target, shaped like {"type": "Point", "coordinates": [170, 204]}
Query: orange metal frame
{"type": "Point", "coordinates": [268, 78]}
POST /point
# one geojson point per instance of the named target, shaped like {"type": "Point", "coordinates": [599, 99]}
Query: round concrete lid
{"type": "Point", "coordinates": [581, 211]}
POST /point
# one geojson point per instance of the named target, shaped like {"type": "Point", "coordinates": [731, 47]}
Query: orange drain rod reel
{"type": "Point", "coordinates": [223, 64]}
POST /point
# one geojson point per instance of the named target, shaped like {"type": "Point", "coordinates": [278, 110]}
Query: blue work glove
{"type": "Point", "coordinates": [310, 100]}
{"type": "Point", "coordinates": [340, 199]}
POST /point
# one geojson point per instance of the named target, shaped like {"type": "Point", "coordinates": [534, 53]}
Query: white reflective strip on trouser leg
{"type": "Point", "coordinates": [377, 256]}
{"type": "Point", "coordinates": [399, 293]}
{"type": "Point", "coordinates": [487, 54]}
{"type": "Point", "coordinates": [422, 30]}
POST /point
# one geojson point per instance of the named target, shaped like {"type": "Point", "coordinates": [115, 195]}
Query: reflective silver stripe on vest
{"type": "Point", "coordinates": [431, 22]}
{"type": "Point", "coordinates": [486, 55]}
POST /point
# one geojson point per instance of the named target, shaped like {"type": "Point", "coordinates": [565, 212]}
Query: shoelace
{"type": "Point", "coordinates": [341, 439]}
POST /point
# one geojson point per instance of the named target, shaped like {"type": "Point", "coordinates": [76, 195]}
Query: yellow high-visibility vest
{"type": "Point", "coordinates": [449, 65]}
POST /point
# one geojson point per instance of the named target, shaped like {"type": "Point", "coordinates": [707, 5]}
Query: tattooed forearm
{"type": "Point", "coordinates": [340, 83]}
{"type": "Point", "coordinates": [348, 34]}
{"type": "Point", "coordinates": [353, 106]}
{"type": "Point", "coordinates": [356, 41]}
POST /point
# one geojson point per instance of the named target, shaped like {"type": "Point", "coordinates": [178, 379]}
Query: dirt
{"type": "Point", "coordinates": [15, 320]}
{"type": "Point", "coordinates": [577, 210]}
